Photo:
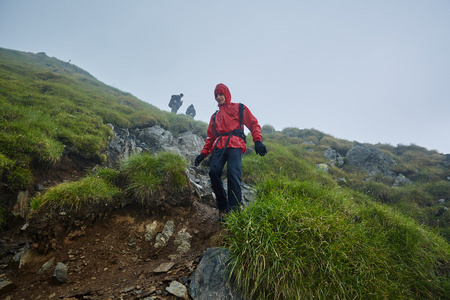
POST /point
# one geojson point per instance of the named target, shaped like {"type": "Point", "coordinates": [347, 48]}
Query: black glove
{"type": "Point", "coordinates": [260, 148]}
{"type": "Point", "coordinates": [199, 159]}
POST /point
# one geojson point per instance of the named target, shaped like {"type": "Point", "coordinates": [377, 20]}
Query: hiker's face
{"type": "Point", "coordinates": [220, 98]}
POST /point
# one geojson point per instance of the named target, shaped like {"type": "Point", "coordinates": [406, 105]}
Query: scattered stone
{"type": "Point", "coordinates": [151, 231]}
{"type": "Point", "coordinates": [60, 273]}
{"type": "Point", "coordinates": [127, 289]}
{"type": "Point", "coordinates": [163, 237]}
{"type": "Point", "coordinates": [183, 241]}
{"type": "Point", "coordinates": [40, 187]}
{"type": "Point", "coordinates": [46, 266]}
{"type": "Point", "coordinates": [20, 258]}
{"type": "Point", "coordinates": [21, 206]}
{"type": "Point", "coordinates": [25, 226]}
{"type": "Point", "coordinates": [177, 289]}
{"type": "Point", "coordinates": [164, 267]}
{"type": "Point", "coordinates": [172, 256]}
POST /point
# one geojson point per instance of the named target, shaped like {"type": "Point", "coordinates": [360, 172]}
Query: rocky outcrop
{"type": "Point", "coordinates": [333, 157]}
{"type": "Point", "coordinates": [151, 139]}
{"type": "Point", "coordinates": [371, 160]}
{"type": "Point", "coordinates": [210, 279]}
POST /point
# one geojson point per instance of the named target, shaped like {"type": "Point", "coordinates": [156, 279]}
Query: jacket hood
{"type": "Point", "coordinates": [223, 89]}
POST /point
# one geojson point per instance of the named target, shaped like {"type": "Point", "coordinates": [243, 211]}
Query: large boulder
{"type": "Point", "coordinates": [210, 279]}
{"type": "Point", "coordinates": [371, 160]}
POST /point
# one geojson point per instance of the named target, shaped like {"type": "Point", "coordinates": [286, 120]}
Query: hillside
{"type": "Point", "coordinates": [369, 215]}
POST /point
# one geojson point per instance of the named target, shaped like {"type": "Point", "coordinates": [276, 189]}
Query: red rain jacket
{"type": "Point", "coordinates": [227, 119]}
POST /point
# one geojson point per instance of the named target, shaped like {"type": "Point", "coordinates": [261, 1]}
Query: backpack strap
{"type": "Point", "coordinates": [241, 113]}
{"type": "Point", "coordinates": [236, 132]}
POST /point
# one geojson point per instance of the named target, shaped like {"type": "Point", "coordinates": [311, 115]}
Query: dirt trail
{"type": "Point", "coordinates": [111, 259]}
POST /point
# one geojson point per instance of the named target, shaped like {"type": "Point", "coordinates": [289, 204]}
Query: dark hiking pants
{"type": "Point", "coordinates": [233, 158]}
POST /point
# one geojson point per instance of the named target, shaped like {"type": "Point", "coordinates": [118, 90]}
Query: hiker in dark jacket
{"type": "Point", "coordinates": [190, 111]}
{"type": "Point", "coordinates": [175, 102]}
{"type": "Point", "coordinates": [226, 144]}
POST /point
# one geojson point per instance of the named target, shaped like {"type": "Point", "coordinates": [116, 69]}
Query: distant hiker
{"type": "Point", "coordinates": [176, 102]}
{"type": "Point", "coordinates": [190, 111]}
{"type": "Point", "coordinates": [226, 144]}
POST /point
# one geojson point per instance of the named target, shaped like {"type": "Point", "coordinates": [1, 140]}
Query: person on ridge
{"type": "Point", "coordinates": [190, 111]}
{"type": "Point", "coordinates": [226, 143]}
{"type": "Point", "coordinates": [175, 102]}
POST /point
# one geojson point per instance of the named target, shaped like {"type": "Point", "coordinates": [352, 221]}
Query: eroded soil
{"type": "Point", "coordinates": [107, 254]}
{"type": "Point", "coordinates": [111, 258]}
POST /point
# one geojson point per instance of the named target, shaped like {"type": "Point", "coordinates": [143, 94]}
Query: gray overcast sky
{"type": "Point", "coordinates": [370, 71]}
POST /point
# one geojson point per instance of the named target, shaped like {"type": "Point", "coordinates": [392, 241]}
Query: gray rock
{"type": "Point", "coordinates": [183, 241]}
{"type": "Point", "coordinates": [20, 258]}
{"type": "Point", "coordinates": [209, 281]}
{"type": "Point", "coordinates": [46, 266]}
{"type": "Point", "coordinates": [151, 139]}
{"type": "Point", "coordinates": [21, 206]}
{"type": "Point", "coordinates": [308, 143]}
{"type": "Point", "coordinates": [40, 187]}
{"type": "Point", "coordinates": [163, 237]}
{"type": "Point", "coordinates": [164, 267]}
{"type": "Point", "coordinates": [333, 157]}
{"type": "Point", "coordinates": [401, 179]}
{"type": "Point", "coordinates": [371, 160]}
{"type": "Point", "coordinates": [330, 154]}
{"type": "Point", "coordinates": [151, 230]}
{"type": "Point", "coordinates": [177, 289]}
{"type": "Point", "coordinates": [60, 273]}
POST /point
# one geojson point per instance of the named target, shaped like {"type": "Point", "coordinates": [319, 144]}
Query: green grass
{"type": "Point", "coordinates": [303, 241]}
{"type": "Point", "coordinates": [72, 196]}
{"type": "Point", "coordinates": [148, 176]}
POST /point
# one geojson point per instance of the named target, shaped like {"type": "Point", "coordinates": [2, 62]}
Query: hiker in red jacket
{"type": "Point", "coordinates": [226, 144]}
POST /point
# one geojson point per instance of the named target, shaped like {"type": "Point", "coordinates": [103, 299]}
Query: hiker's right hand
{"type": "Point", "coordinates": [199, 159]}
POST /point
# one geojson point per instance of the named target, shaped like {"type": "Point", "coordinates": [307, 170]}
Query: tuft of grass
{"type": "Point", "coordinates": [148, 175]}
{"type": "Point", "coordinates": [72, 196]}
{"type": "Point", "coordinates": [302, 241]}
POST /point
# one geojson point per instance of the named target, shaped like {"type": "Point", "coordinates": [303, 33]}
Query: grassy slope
{"type": "Point", "coordinates": [49, 107]}
{"type": "Point", "coordinates": [310, 232]}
